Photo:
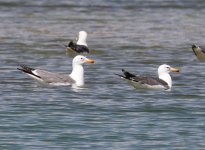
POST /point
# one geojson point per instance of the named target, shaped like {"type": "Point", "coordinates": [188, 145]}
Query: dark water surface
{"type": "Point", "coordinates": [107, 114]}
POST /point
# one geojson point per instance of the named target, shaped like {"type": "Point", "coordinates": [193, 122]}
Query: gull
{"type": "Point", "coordinates": [75, 78]}
{"type": "Point", "coordinates": [164, 80]}
{"type": "Point", "coordinates": [199, 52]}
{"type": "Point", "coordinates": [81, 45]}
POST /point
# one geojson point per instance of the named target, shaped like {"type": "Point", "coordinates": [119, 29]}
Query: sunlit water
{"type": "Point", "coordinates": [108, 113]}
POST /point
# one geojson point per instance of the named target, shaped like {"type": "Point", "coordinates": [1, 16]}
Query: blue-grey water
{"type": "Point", "coordinates": [137, 35]}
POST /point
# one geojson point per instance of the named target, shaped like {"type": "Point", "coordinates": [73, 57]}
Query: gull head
{"type": "Point", "coordinates": [79, 59]}
{"type": "Point", "coordinates": [166, 69]}
{"type": "Point", "coordinates": [163, 73]}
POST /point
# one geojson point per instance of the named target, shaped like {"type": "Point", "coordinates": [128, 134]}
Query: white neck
{"type": "Point", "coordinates": [78, 74]}
{"type": "Point", "coordinates": [167, 78]}
{"type": "Point", "coordinates": [82, 42]}
{"type": "Point", "coordinates": [82, 38]}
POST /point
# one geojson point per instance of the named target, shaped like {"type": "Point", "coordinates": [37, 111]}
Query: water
{"type": "Point", "coordinates": [108, 113]}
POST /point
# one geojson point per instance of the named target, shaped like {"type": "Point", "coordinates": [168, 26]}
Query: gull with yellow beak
{"type": "Point", "coordinates": [76, 78]}
{"type": "Point", "coordinates": [199, 52]}
{"type": "Point", "coordinates": [164, 80]}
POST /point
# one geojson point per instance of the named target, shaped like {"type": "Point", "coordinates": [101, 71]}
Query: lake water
{"type": "Point", "coordinates": [137, 35]}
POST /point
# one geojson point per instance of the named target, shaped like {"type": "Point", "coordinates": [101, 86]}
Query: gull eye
{"type": "Point", "coordinates": [168, 68]}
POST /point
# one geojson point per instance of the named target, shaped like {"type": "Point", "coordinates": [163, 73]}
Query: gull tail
{"type": "Point", "coordinates": [121, 76]}
{"type": "Point", "coordinates": [127, 75]}
{"type": "Point", "coordinates": [28, 70]}
{"type": "Point", "coordinates": [71, 44]}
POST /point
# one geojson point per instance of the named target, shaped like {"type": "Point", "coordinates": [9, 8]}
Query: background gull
{"type": "Point", "coordinates": [81, 45]}
{"type": "Point", "coordinates": [199, 52]}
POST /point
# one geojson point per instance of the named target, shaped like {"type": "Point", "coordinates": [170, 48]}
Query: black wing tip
{"type": "Point", "coordinates": [70, 43]}
{"type": "Point", "coordinates": [197, 48]}
{"type": "Point", "coordinates": [25, 66]}
{"type": "Point", "coordinates": [124, 72]}
{"type": "Point", "coordinates": [118, 75]}
{"type": "Point", "coordinates": [121, 76]}
{"type": "Point", "coordinates": [127, 74]}
{"type": "Point", "coordinates": [194, 46]}
{"type": "Point", "coordinates": [25, 69]}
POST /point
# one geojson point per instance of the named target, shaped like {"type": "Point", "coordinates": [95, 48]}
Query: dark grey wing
{"type": "Point", "coordinates": [81, 49]}
{"type": "Point", "coordinates": [78, 48]}
{"type": "Point", "coordinates": [143, 79]}
{"type": "Point", "coordinates": [50, 77]}
{"type": "Point", "coordinates": [149, 80]}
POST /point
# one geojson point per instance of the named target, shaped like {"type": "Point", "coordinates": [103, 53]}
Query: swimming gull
{"type": "Point", "coordinates": [76, 78]}
{"type": "Point", "coordinates": [164, 80]}
{"type": "Point", "coordinates": [81, 45]}
{"type": "Point", "coordinates": [199, 52]}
